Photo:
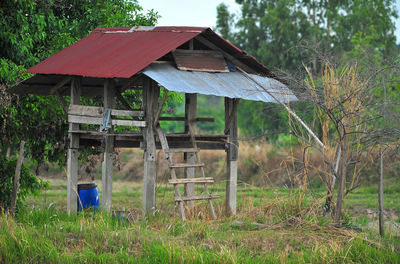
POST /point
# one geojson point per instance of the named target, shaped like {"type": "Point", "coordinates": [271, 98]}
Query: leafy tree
{"type": "Point", "coordinates": [281, 34]}
{"type": "Point", "coordinates": [30, 32]}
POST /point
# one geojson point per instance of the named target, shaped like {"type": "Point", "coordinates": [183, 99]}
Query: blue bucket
{"type": "Point", "coordinates": [88, 196]}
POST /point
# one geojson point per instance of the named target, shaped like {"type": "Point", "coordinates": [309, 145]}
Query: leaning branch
{"type": "Point", "coordinates": [286, 107]}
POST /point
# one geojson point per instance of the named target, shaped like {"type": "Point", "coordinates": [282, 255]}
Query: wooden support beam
{"type": "Point", "coordinates": [73, 153]}
{"type": "Point", "coordinates": [160, 108]}
{"type": "Point", "coordinates": [59, 85]}
{"type": "Point", "coordinates": [108, 156]}
{"type": "Point", "coordinates": [151, 92]}
{"type": "Point", "coordinates": [190, 126]}
{"type": "Point", "coordinates": [232, 156]}
{"type": "Point", "coordinates": [228, 56]}
{"type": "Point", "coordinates": [232, 115]}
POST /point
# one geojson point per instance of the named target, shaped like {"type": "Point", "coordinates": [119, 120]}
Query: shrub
{"type": "Point", "coordinates": [29, 184]}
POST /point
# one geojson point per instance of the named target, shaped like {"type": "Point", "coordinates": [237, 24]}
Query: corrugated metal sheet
{"type": "Point", "coordinates": [231, 84]}
{"type": "Point", "coordinates": [200, 60]}
{"type": "Point", "coordinates": [116, 52]}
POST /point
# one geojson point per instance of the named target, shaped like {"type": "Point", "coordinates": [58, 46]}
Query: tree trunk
{"type": "Point", "coordinates": [342, 182]}
{"type": "Point", "coordinates": [331, 188]}
{"type": "Point", "coordinates": [14, 196]}
{"type": "Point", "coordinates": [380, 195]}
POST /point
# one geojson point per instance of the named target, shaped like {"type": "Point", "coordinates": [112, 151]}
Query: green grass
{"type": "Point", "coordinates": [43, 233]}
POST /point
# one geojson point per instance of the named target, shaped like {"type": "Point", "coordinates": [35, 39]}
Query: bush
{"type": "Point", "coordinates": [29, 184]}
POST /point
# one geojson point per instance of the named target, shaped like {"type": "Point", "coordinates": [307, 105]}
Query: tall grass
{"type": "Point", "coordinates": [280, 226]}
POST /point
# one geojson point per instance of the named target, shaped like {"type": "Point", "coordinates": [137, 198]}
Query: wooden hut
{"type": "Point", "coordinates": [192, 60]}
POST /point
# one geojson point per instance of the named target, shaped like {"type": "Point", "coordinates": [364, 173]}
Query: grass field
{"type": "Point", "coordinates": [273, 225]}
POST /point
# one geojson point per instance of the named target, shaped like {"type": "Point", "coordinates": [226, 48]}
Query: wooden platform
{"type": "Point", "coordinates": [135, 140]}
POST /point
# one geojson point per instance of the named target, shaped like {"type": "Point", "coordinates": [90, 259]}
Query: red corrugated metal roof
{"type": "Point", "coordinates": [115, 52]}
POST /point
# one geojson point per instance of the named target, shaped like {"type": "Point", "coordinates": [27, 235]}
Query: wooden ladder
{"type": "Point", "coordinates": [175, 181]}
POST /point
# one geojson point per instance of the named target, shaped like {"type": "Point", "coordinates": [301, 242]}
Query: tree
{"type": "Point", "coordinates": [30, 32]}
{"type": "Point", "coordinates": [279, 34]}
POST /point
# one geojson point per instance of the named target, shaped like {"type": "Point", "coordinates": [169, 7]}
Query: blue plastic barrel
{"type": "Point", "coordinates": [88, 196]}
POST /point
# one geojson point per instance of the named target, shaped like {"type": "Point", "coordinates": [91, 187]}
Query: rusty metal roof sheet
{"type": "Point", "coordinates": [116, 52]}
{"type": "Point", "coordinates": [121, 52]}
{"type": "Point", "coordinates": [200, 60]}
{"type": "Point", "coordinates": [230, 84]}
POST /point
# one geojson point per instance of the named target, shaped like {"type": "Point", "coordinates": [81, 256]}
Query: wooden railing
{"type": "Point", "coordinates": [93, 115]}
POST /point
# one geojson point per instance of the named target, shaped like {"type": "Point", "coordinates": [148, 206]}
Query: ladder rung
{"type": "Point", "coordinates": [186, 165]}
{"type": "Point", "coordinates": [177, 150]}
{"type": "Point", "coordinates": [201, 197]}
{"type": "Point", "coordinates": [192, 180]}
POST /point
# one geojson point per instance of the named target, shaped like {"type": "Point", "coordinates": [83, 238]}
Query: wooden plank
{"type": "Point", "coordinates": [126, 122]}
{"type": "Point", "coordinates": [211, 45]}
{"type": "Point", "coordinates": [186, 165]}
{"type": "Point", "coordinates": [179, 150]}
{"type": "Point", "coordinates": [82, 110]}
{"type": "Point", "coordinates": [131, 113]}
{"type": "Point", "coordinates": [97, 133]}
{"type": "Point", "coordinates": [96, 111]}
{"type": "Point", "coordinates": [199, 197]}
{"type": "Point", "coordinates": [192, 180]}
{"type": "Point", "coordinates": [200, 60]}
{"type": "Point", "coordinates": [97, 121]}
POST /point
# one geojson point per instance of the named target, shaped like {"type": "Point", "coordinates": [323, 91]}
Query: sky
{"type": "Point", "coordinates": [202, 12]}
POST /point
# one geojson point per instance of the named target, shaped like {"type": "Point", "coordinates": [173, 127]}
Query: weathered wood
{"type": "Point", "coordinates": [232, 156]}
{"type": "Point", "coordinates": [59, 85]}
{"type": "Point", "coordinates": [232, 115]}
{"type": "Point", "coordinates": [131, 113]}
{"type": "Point", "coordinates": [97, 121]}
{"type": "Point", "coordinates": [17, 174]}
{"type": "Point", "coordinates": [151, 92]}
{"type": "Point", "coordinates": [73, 153]}
{"type": "Point", "coordinates": [177, 150]}
{"type": "Point", "coordinates": [108, 156]}
{"type": "Point", "coordinates": [199, 197]}
{"type": "Point", "coordinates": [186, 165]}
{"type": "Point", "coordinates": [192, 180]}
{"type": "Point", "coordinates": [160, 107]}
{"type": "Point", "coordinates": [190, 127]}
{"type": "Point", "coordinates": [95, 111]}
{"type": "Point", "coordinates": [99, 135]}
{"type": "Point", "coordinates": [211, 45]}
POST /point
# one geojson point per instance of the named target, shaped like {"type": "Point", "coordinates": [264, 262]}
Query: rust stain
{"type": "Point", "coordinates": [200, 60]}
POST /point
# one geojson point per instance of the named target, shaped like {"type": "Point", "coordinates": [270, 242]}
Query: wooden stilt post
{"type": "Point", "coordinates": [108, 158]}
{"type": "Point", "coordinates": [73, 153]}
{"type": "Point", "coordinates": [232, 155]}
{"type": "Point", "coordinates": [14, 196]}
{"type": "Point", "coordinates": [190, 126]}
{"type": "Point", "coordinates": [151, 92]}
